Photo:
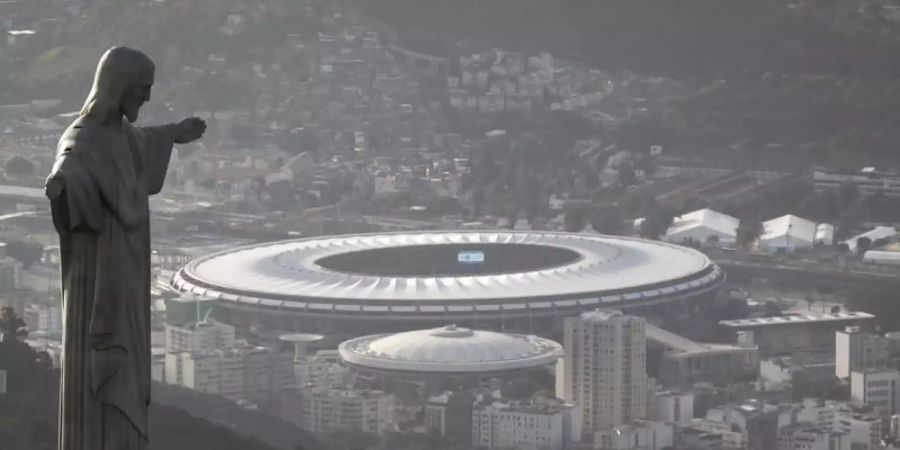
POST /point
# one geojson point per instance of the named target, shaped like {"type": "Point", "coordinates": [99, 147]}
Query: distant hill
{"type": "Point", "coordinates": [682, 38]}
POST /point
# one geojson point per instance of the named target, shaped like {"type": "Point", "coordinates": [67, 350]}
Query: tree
{"type": "Point", "coordinates": [748, 232]}
{"type": "Point", "coordinates": [657, 222]}
{"type": "Point", "coordinates": [609, 221]}
{"type": "Point", "coordinates": [575, 219]}
{"type": "Point", "coordinates": [26, 253]}
{"type": "Point", "coordinates": [847, 194]}
{"type": "Point", "coordinates": [771, 309]}
{"type": "Point", "coordinates": [11, 326]}
{"type": "Point", "coordinates": [18, 166]}
{"type": "Point", "coordinates": [626, 176]}
{"type": "Point", "coordinates": [863, 245]}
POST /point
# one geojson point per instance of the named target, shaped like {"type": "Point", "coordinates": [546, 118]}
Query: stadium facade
{"type": "Point", "coordinates": [515, 281]}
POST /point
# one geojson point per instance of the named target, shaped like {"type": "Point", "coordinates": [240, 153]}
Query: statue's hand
{"type": "Point", "coordinates": [189, 130]}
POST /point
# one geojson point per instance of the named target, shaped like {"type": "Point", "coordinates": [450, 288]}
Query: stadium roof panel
{"type": "Point", "coordinates": [449, 349]}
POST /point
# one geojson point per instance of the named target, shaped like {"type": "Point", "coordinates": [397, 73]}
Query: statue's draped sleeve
{"type": "Point", "coordinates": [156, 147]}
{"type": "Point", "coordinates": [76, 204]}
{"type": "Point", "coordinates": [91, 177]}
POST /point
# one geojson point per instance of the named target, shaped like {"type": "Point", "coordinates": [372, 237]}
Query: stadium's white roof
{"type": "Point", "coordinates": [607, 271]}
{"type": "Point", "coordinates": [719, 223]}
{"type": "Point", "coordinates": [449, 349]}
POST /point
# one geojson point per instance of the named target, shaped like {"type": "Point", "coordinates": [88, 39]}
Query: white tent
{"type": "Point", "coordinates": [824, 234]}
{"type": "Point", "coordinates": [873, 235]}
{"type": "Point", "coordinates": [787, 233]}
{"type": "Point", "coordinates": [882, 257]}
{"type": "Point", "coordinates": [701, 225]}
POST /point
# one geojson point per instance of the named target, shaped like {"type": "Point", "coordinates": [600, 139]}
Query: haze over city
{"type": "Point", "coordinates": [421, 224]}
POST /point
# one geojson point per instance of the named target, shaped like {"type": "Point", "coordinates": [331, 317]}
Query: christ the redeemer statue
{"type": "Point", "coordinates": [98, 189]}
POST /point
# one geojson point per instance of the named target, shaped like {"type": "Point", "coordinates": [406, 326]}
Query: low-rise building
{"type": "Point", "coordinates": [322, 369]}
{"type": "Point", "coordinates": [868, 181]}
{"type": "Point", "coordinates": [864, 428]}
{"type": "Point", "coordinates": [642, 434]}
{"type": "Point", "coordinates": [799, 369]}
{"type": "Point", "coordinates": [685, 362]}
{"type": "Point", "coordinates": [46, 319]}
{"type": "Point", "coordinates": [324, 409]}
{"type": "Point", "coordinates": [811, 437]}
{"type": "Point", "coordinates": [709, 434]}
{"type": "Point", "coordinates": [199, 337]}
{"type": "Point", "coordinates": [546, 425]}
{"type": "Point", "coordinates": [671, 406]}
{"type": "Point", "coordinates": [876, 388]}
{"type": "Point", "coordinates": [759, 421]}
{"type": "Point", "coordinates": [238, 373]}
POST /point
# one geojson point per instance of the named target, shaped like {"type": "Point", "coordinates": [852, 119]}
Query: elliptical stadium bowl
{"type": "Point", "coordinates": [512, 280]}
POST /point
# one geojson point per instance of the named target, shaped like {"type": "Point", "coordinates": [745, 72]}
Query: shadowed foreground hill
{"type": "Point", "coordinates": [28, 414]}
{"type": "Point", "coordinates": [28, 422]}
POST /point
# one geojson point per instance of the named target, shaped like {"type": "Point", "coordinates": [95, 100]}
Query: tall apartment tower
{"type": "Point", "coordinates": [856, 350]}
{"type": "Point", "coordinates": [604, 369]}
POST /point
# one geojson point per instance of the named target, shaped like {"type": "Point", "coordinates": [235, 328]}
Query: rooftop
{"type": "Point", "coordinates": [681, 344]}
{"type": "Point", "coordinates": [449, 349]}
{"type": "Point", "coordinates": [709, 218]}
{"type": "Point", "coordinates": [789, 225]}
{"type": "Point", "coordinates": [797, 319]}
{"type": "Point", "coordinates": [347, 274]}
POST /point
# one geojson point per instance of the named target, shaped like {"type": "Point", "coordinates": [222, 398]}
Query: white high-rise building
{"type": "Point", "coordinates": [878, 389]}
{"type": "Point", "coordinates": [856, 350]}
{"type": "Point", "coordinates": [604, 368]}
{"type": "Point", "coordinates": [199, 337]}
{"type": "Point", "coordinates": [541, 426]}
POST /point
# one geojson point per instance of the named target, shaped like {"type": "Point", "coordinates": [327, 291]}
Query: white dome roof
{"type": "Point", "coordinates": [449, 349]}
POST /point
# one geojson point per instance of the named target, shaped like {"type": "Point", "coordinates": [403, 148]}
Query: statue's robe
{"type": "Point", "coordinates": [102, 218]}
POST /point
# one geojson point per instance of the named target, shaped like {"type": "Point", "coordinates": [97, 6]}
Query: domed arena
{"type": "Point", "coordinates": [520, 281]}
{"type": "Point", "coordinates": [448, 351]}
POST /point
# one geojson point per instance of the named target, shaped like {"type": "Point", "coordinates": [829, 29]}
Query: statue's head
{"type": "Point", "coordinates": [122, 85]}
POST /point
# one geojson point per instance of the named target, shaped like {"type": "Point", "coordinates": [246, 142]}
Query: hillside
{"type": "Point", "coordinates": [28, 414]}
{"type": "Point", "coordinates": [818, 78]}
